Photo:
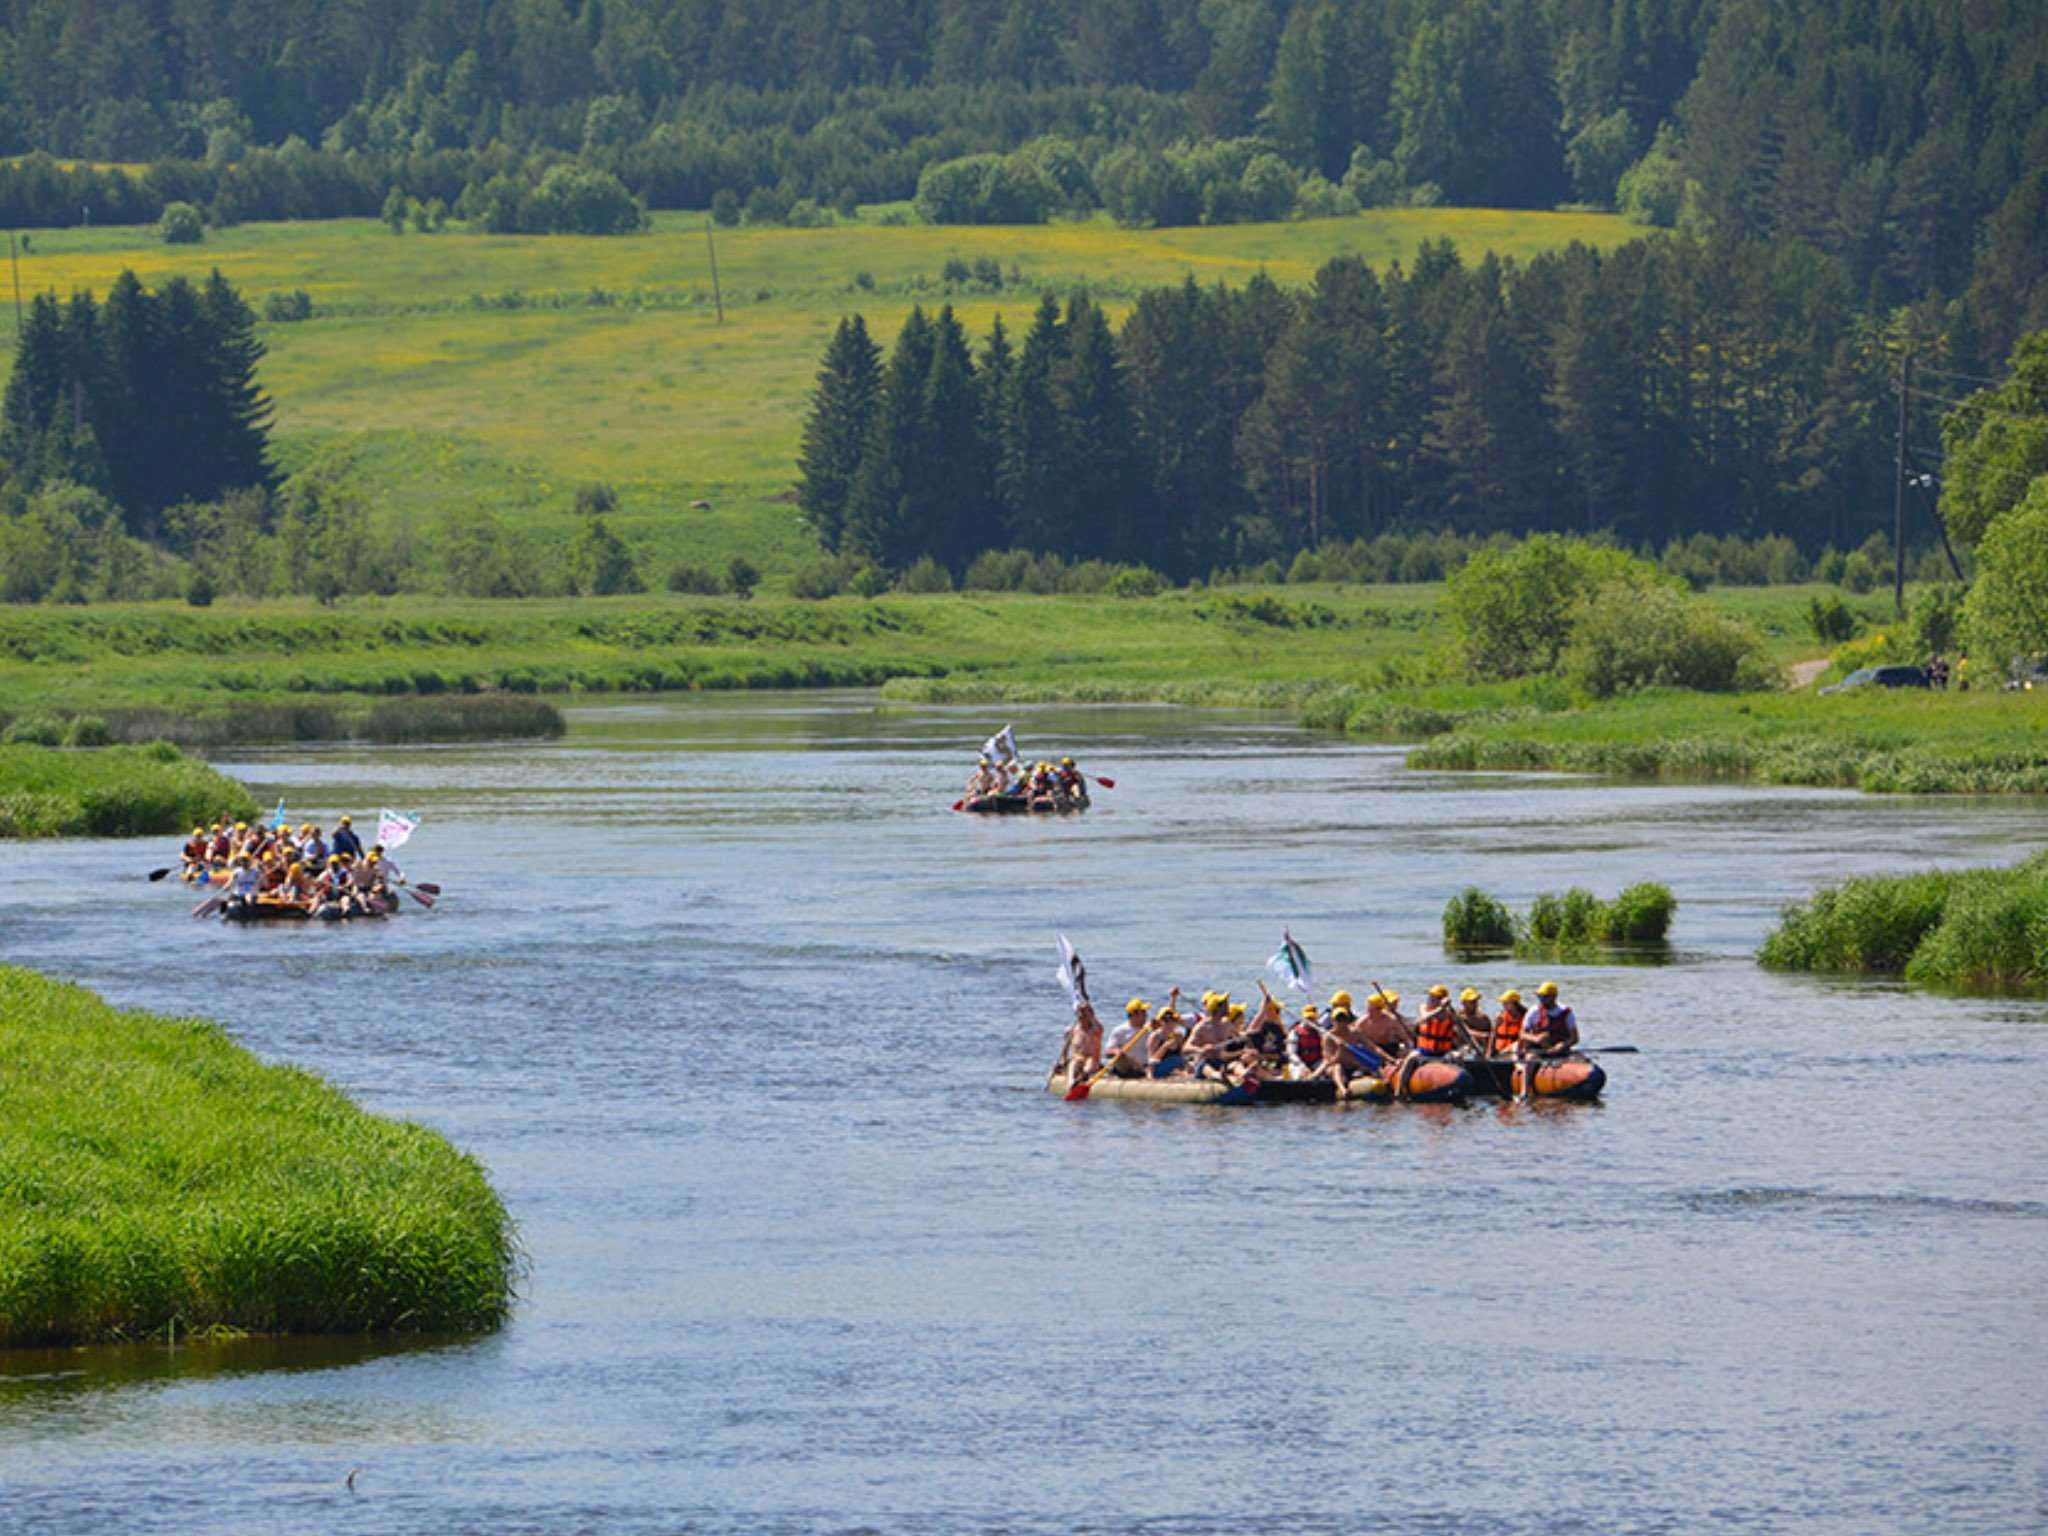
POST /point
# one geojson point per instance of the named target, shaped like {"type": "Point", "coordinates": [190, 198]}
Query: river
{"type": "Point", "coordinates": [751, 1034]}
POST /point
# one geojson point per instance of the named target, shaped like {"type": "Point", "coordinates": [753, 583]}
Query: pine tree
{"type": "Point", "coordinates": [878, 514]}
{"type": "Point", "coordinates": [843, 406]}
{"type": "Point", "coordinates": [950, 494]}
{"type": "Point", "coordinates": [238, 412]}
{"type": "Point", "coordinates": [1112, 515]}
{"type": "Point", "coordinates": [33, 389]}
{"type": "Point", "coordinates": [1033, 479]}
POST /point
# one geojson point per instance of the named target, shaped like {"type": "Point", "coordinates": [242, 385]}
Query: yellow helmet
{"type": "Point", "coordinates": [199, 831]}
{"type": "Point", "coordinates": [305, 827]}
{"type": "Point", "coordinates": [1066, 762]}
{"type": "Point", "coordinates": [241, 826]}
{"type": "Point", "coordinates": [1469, 995]}
{"type": "Point", "coordinates": [1340, 999]}
{"type": "Point", "coordinates": [1377, 1000]}
{"type": "Point", "coordinates": [1136, 1005]}
{"type": "Point", "coordinates": [1308, 1011]}
{"type": "Point", "coordinates": [1548, 989]}
{"type": "Point", "coordinates": [1393, 999]}
{"type": "Point", "coordinates": [1165, 1012]}
{"type": "Point", "coordinates": [296, 869]}
{"type": "Point", "coordinates": [1236, 1012]}
{"type": "Point", "coordinates": [344, 821]}
{"type": "Point", "coordinates": [1439, 990]}
{"type": "Point", "coordinates": [1512, 996]}
{"type": "Point", "coordinates": [375, 854]}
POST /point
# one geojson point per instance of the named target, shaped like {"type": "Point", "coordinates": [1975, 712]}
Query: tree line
{"type": "Point", "coordinates": [1905, 138]}
{"type": "Point", "coordinates": [149, 398]}
{"type": "Point", "coordinates": [1667, 388]}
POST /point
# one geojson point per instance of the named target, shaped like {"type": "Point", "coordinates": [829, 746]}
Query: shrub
{"type": "Point", "coordinates": [1137, 581]}
{"type": "Point", "coordinates": [725, 207]}
{"type": "Point", "coordinates": [285, 308]}
{"type": "Point", "coordinates": [1859, 572]}
{"type": "Point", "coordinates": [821, 579]}
{"type": "Point", "coordinates": [87, 731]}
{"type": "Point", "coordinates": [1513, 609]}
{"type": "Point", "coordinates": [180, 224]}
{"type": "Point", "coordinates": [579, 200]}
{"type": "Point", "coordinates": [34, 730]}
{"type": "Point", "coordinates": [1871, 924]}
{"type": "Point", "coordinates": [1641, 914]}
{"type": "Point", "coordinates": [1475, 920]}
{"type": "Point", "coordinates": [694, 579]}
{"type": "Point", "coordinates": [199, 590]}
{"type": "Point", "coordinates": [1831, 620]}
{"type": "Point", "coordinates": [868, 581]}
{"type": "Point", "coordinates": [1626, 638]}
{"type": "Point", "coordinates": [596, 498]}
{"type": "Point", "coordinates": [926, 576]}
{"type": "Point", "coordinates": [741, 577]}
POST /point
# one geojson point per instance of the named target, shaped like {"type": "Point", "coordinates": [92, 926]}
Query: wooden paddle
{"type": "Point", "coordinates": [1098, 778]}
{"type": "Point", "coordinates": [413, 892]}
{"type": "Point", "coordinates": [1081, 1090]}
{"type": "Point", "coordinates": [208, 907]}
{"type": "Point", "coordinates": [425, 885]}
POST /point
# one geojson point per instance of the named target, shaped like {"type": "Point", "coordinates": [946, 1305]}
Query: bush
{"type": "Point", "coordinates": [578, 200]}
{"type": "Point", "coordinates": [1937, 616]}
{"type": "Point", "coordinates": [1137, 581]}
{"type": "Point", "coordinates": [1514, 609]}
{"type": "Point", "coordinates": [2005, 618]}
{"type": "Point", "coordinates": [285, 308]}
{"type": "Point", "coordinates": [199, 590]}
{"type": "Point", "coordinates": [1866, 925]}
{"type": "Point", "coordinates": [1831, 620]}
{"type": "Point", "coordinates": [34, 730]}
{"type": "Point", "coordinates": [694, 579]}
{"type": "Point", "coordinates": [725, 207]}
{"type": "Point", "coordinates": [596, 498]}
{"type": "Point", "coordinates": [741, 577]}
{"type": "Point", "coordinates": [87, 731]}
{"type": "Point", "coordinates": [1475, 920]}
{"type": "Point", "coordinates": [927, 576]}
{"type": "Point", "coordinates": [1859, 572]}
{"type": "Point", "coordinates": [1641, 914]}
{"type": "Point", "coordinates": [822, 578]}
{"type": "Point", "coordinates": [180, 224]}
{"type": "Point", "coordinates": [1626, 638]}
{"type": "Point", "coordinates": [868, 581]}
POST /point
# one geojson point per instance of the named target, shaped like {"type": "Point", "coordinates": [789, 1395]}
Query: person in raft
{"type": "Point", "coordinates": [1208, 1044]}
{"type": "Point", "coordinates": [1475, 1029]}
{"type": "Point", "coordinates": [1550, 1029]}
{"type": "Point", "coordinates": [1350, 1052]}
{"type": "Point", "coordinates": [346, 841]}
{"type": "Point", "coordinates": [1506, 1038]}
{"type": "Point", "coordinates": [1305, 1043]}
{"type": "Point", "coordinates": [1123, 1056]}
{"type": "Point", "coordinates": [1081, 1052]}
{"type": "Point", "coordinates": [1436, 1028]}
{"type": "Point", "coordinates": [1263, 1048]}
{"type": "Point", "coordinates": [1165, 1055]}
{"type": "Point", "coordinates": [1068, 785]}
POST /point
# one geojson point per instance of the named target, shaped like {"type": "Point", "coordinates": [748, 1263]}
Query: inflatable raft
{"type": "Point", "coordinates": [1569, 1077]}
{"type": "Point", "coordinates": [1431, 1082]}
{"type": "Point", "coordinates": [1019, 805]}
{"type": "Point", "coordinates": [291, 912]}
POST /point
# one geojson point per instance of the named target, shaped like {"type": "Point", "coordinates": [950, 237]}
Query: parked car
{"type": "Point", "coordinates": [1881, 677]}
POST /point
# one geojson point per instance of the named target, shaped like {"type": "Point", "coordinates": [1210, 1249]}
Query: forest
{"type": "Point", "coordinates": [1906, 140]}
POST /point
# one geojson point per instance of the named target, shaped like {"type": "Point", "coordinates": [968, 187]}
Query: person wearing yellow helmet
{"type": "Point", "coordinates": [1119, 1048]}
{"type": "Point", "coordinates": [1473, 1024]}
{"type": "Point", "coordinates": [1207, 1041]}
{"type": "Point", "coordinates": [345, 839]}
{"type": "Point", "coordinates": [1069, 786]}
{"type": "Point", "coordinates": [1165, 1055]}
{"type": "Point", "coordinates": [1506, 1039]}
{"type": "Point", "coordinates": [1436, 1033]}
{"type": "Point", "coordinates": [192, 857]}
{"type": "Point", "coordinates": [1550, 1029]}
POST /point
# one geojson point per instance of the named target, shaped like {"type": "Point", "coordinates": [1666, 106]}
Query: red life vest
{"type": "Point", "coordinates": [1308, 1044]}
{"type": "Point", "coordinates": [1435, 1035]}
{"type": "Point", "coordinates": [1507, 1029]}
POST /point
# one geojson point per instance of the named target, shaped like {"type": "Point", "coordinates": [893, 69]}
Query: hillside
{"type": "Point", "coordinates": [444, 371]}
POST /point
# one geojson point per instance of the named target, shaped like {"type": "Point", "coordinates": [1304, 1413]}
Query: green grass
{"type": "Point", "coordinates": [292, 669]}
{"type": "Point", "coordinates": [1972, 930]}
{"type": "Point", "coordinates": [111, 792]}
{"type": "Point", "coordinates": [155, 1175]}
{"type": "Point", "coordinates": [467, 369]}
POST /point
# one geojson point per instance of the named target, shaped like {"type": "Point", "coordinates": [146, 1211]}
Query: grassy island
{"type": "Point", "coordinates": [155, 1175]}
{"type": "Point", "coordinates": [1964, 930]}
{"type": "Point", "coordinates": [111, 791]}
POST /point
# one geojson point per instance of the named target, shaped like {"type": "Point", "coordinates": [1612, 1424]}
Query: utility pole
{"type": "Point", "coordinates": [1899, 490]}
{"type": "Point", "coordinates": [716, 297]}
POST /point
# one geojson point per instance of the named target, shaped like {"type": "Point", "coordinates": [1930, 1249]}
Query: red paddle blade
{"type": "Point", "coordinates": [1105, 783]}
{"type": "Point", "coordinates": [959, 805]}
{"type": "Point", "coordinates": [1079, 1091]}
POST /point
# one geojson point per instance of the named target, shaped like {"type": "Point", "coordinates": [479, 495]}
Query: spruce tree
{"type": "Point", "coordinates": [951, 485]}
{"type": "Point", "coordinates": [1034, 481]}
{"type": "Point", "coordinates": [1111, 515]}
{"type": "Point", "coordinates": [238, 412]}
{"type": "Point", "coordinates": [878, 515]}
{"type": "Point", "coordinates": [843, 407]}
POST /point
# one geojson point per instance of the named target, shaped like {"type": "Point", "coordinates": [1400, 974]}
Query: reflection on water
{"type": "Point", "coordinates": [752, 1035]}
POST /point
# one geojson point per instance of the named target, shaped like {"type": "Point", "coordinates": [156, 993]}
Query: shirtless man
{"type": "Point", "coordinates": [1164, 1056]}
{"type": "Point", "coordinates": [1262, 1048]}
{"type": "Point", "coordinates": [1208, 1042]}
{"type": "Point", "coordinates": [1383, 1028]}
{"type": "Point", "coordinates": [1081, 1054]}
{"type": "Point", "coordinates": [1472, 1022]}
{"type": "Point", "coordinates": [1351, 1052]}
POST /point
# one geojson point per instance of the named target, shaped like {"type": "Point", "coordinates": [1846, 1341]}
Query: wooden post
{"type": "Point", "coordinates": [716, 297]}
{"type": "Point", "coordinates": [1899, 491]}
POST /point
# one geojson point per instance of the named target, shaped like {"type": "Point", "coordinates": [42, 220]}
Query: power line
{"type": "Point", "coordinates": [1982, 410]}
{"type": "Point", "coordinates": [1957, 373]}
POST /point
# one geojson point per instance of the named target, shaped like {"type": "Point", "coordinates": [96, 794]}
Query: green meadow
{"type": "Point", "coordinates": [457, 369]}
{"type": "Point", "coordinates": [156, 1178]}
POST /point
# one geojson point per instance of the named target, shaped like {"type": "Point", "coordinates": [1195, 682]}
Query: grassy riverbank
{"type": "Point", "coordinates": [1971, 930]}
{"type": "Point", "coordinates": [153, 1173]}
{"type": "Point", "coordinates": [111, 792]}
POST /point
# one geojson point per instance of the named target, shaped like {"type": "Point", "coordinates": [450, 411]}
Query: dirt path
{"type": "Point", "coordinates": [1802, 673]}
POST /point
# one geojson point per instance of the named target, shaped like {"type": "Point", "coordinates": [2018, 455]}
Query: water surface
{"type": "Point", "coordinates": [751, 1033]}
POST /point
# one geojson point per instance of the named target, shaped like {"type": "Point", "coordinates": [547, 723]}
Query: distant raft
{"type": "Point", "coordinates": [1023, 805]}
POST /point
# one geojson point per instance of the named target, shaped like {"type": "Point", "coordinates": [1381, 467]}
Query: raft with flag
{"type": "Point", "coordinates": [1003, 784]}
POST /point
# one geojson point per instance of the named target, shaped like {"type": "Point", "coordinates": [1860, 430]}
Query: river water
{"type": "Point", "coordinates": [752, 1034]}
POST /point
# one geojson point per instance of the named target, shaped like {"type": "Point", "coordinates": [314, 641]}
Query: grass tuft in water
{"type": "Point", "coordinates": [155, 1175]}
{"type": "Point", "coordinates": [1576, 925]}
{"type": "Point", "coordinates": [111, 792]}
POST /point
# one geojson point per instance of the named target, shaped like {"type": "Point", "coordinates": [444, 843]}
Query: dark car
{"type": "Point", "coordinates": [1881, 677]}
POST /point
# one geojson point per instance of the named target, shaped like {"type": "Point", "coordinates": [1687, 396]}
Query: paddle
{"type": "Point", "coordinates": [425, 885]}
{"type": "Point", "coordinates": [1098, 778]}
{"type": "Point", "coordinates": [208, 907]}
{"type": "Point", "coordinates": [1081, 1090]}
{"type": "Point", "coordinates": [158, 874]}
{"type": "Point", "coordinates": [959, 805]}
{"type": "Point", "coordinates": [413, 892]}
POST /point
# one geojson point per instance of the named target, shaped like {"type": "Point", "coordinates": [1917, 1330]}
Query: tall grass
{"type": "Point", "coordinates": [1976, 930]}
{"type": "Point", "coordinates": [111, 792]}
{"type": "Point", "coordinates": [154, 1173]}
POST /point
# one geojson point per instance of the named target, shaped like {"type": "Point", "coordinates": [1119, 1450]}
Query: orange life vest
{"type": "Point", "coordinates": [1435, 1035]}
{"type": "Point", "coordinates": [1507, 1029]}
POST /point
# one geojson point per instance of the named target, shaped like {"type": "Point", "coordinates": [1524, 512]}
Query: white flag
{"type": "Point", "coordinates": [394, 827]}
{"type": "Point", "coordinates": [1289, 964]}
{"type": "Point", "coordinates": [1073, 974]}
{"type": "Point", "coordinates": [1001, 747]}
